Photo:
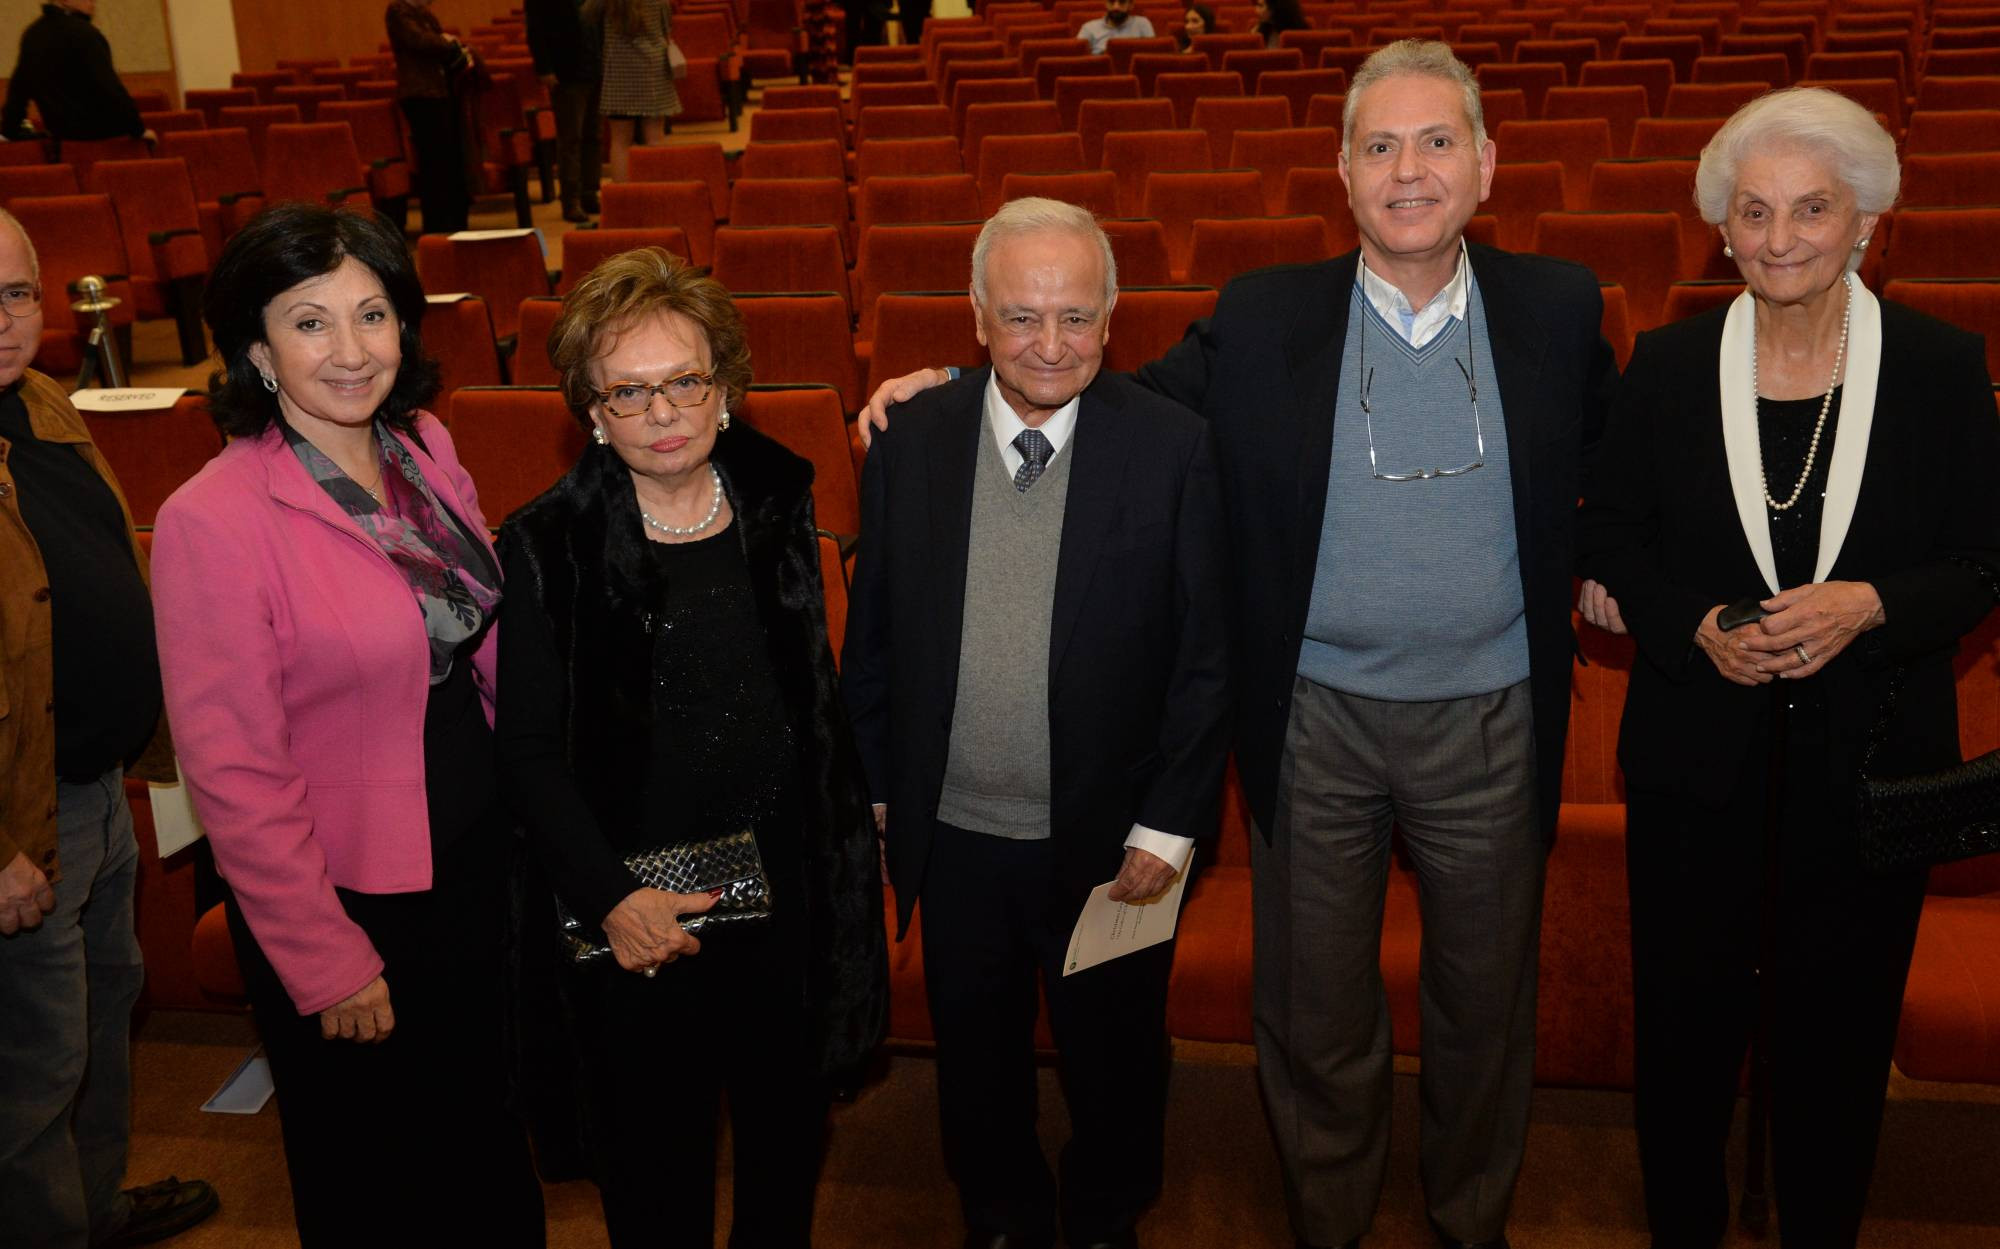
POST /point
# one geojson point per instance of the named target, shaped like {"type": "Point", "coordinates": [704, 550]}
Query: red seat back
{"type": "Point", "coordinates": [514, 441]}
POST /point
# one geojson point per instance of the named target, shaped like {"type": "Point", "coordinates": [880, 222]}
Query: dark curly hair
{"type": "Point", "coordinates": [627, 288]}
{"type": "Point", "coordinates": [279, 248]}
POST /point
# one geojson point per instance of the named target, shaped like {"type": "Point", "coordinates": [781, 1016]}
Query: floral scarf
{"type": "Point", "coordinates": [452, 574]}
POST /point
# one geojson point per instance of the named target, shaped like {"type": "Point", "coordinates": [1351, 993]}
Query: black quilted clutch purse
{"type": "Point", "coordinates": [1907, 822]}
{"type": "Point", "coordinates": [729, 863]}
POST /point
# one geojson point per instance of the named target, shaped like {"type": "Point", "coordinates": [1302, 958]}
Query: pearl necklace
{"type": "Point", "coordinates": [1825, 405]}
{"type": "Point", "coordinates": [688, 531]}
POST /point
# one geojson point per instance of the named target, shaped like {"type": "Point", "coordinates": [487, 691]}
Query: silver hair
{"type": "Point", "coordinates": [1832, 128]}
{"type": "Point", "coordinates": [1034, 215]}
{"type": "Point", "coordinates": [1423, 58]}
{"type": "Point", "coordinates": [34, 258]}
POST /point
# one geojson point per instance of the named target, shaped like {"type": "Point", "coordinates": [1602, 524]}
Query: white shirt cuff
{"type": "Point", "coordinates": [1166, 846]}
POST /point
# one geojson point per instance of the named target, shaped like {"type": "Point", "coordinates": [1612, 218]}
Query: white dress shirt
{"type": "Point", "coordinates": [1005, 425]}
{"type": "Point", "coordinates": [1419, 325]}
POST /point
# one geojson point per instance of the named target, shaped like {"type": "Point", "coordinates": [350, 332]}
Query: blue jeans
{"type": "Point", "coordinates": [66, 994]}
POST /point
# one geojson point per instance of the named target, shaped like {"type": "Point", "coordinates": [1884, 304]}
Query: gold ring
{"type": "Point", "coordinates": [1800, 650]}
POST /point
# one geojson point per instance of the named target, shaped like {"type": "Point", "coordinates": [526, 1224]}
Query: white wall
{"type": "Point", "coordinates": [204, 37]}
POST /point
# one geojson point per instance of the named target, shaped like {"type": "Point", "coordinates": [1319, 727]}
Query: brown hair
{"type": "Point", "coordinates": [628, 288]}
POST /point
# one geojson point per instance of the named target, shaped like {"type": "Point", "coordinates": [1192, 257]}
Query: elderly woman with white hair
{"type": "Point", "coordinates": [1819, 469]}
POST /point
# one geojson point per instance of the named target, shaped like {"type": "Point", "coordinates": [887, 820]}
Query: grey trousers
{"type": "Point", "coordinates": [66, 994]}
{"type": "Point", "coordinates": [1457, 778]}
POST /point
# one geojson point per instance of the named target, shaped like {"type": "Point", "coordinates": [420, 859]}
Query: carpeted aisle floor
{"type": "Point", "coordinates": [884, 1186]}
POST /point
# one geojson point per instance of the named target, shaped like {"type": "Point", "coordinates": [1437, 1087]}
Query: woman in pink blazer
{"type": "Point", "coordinates": [325, 595]}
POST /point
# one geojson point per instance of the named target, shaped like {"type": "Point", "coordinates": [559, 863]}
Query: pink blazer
{"type": "Point", "coordinates": [297, 672]}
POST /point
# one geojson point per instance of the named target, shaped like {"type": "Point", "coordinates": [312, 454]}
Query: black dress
{"type": "Point", "coordinates": [1843, 944]}
{"type": "Point", "coordinates": [660, 1052]}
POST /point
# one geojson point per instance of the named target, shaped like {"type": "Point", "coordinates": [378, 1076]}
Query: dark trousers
{"type": "Point", "coordinates": [578, 161]}
{"type": "Point", "coordinates": [1843, 949]}
{"type": "Point", "coordinates": [1457, 777]}
{"type": "Point", "coordinates": [409, 1136]}
{"type": "Point", "coordinates": [915, 13]}
{"type": "Point", "coordinates": [991, 925]}
{"type": "Point", "coordinates": [438, 136]}
{"type": "Point", "coordinates": [661, 1055]}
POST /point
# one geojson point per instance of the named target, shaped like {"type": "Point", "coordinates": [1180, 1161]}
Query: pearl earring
{"type": "Point", "coordinates": [597, 435]}
{"type": "Point", "coordinates": [270, 383]}
{"type": "Point", "coordinates": [1729, 251]}
{"type": "Point", "coordinates": [1862, 246]}
{"type": "Point", "coordinates": [722, 422]}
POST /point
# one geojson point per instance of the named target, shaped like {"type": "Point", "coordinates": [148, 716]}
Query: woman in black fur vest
{"type": "Point", "coordinates": [666, 682]}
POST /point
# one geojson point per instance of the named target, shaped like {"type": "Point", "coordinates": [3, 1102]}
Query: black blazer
{"type": "Point", "coordinates": [1138, 692]}
{"type": "Point", "coordinates": [1660, 530]}
{"type": "Point", "coordinates": [1265, 370]}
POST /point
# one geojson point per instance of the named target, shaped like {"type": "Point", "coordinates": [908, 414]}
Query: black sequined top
{"type": "Point", "coordinates": [1784, 432]}
{"type": "Point", "coordinates": [723, 753]}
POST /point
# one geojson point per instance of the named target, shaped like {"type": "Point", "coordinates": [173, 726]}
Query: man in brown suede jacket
{"type": "Point", "coordinates": [79, 699]}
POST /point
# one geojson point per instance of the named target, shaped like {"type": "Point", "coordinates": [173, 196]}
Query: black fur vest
{"type": "Point", "coordinates": [590, 573]}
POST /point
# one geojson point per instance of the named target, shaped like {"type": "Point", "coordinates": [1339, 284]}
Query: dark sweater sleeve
{"type": "Point", "coordinates": [532, 708]}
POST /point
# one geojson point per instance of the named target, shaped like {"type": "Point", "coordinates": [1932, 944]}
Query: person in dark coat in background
{"type": "Point", "coordinates": [566, 39]}
{"type": "Point", "coordinates": [65, 70]}
{"type": "Point", "coordinates": [667, 678]}
{"type": "Point", "coordinates": [429, 64]}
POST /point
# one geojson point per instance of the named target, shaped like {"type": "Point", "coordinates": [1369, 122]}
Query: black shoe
{"type": "Point", "coordinates": [573, 214]}
{"type": "Point", "coordinates": [164, 1209]}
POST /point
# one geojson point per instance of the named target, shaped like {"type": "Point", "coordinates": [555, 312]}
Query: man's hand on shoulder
{"type": "Point", "coordinates": [896, 390]}
{"type": "Point", "coordinates": [25, 896]}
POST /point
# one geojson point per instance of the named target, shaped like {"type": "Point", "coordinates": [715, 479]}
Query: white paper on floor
{"type": "Point", "coordinates": [247, 1088]}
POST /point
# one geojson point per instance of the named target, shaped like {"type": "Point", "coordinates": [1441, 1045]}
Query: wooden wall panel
{"type": "Point", "coordinates": [267, 32]}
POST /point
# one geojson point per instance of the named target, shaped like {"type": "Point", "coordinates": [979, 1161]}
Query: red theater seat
{"type": "Point", "coordinates": [584, 250]}
{"type": "Point", "coordinates": [514, 441]}
{"type": "Point", "coordinates": [1218, 250]}
{"type": "Point", "coordinates": [1221, 116]}
{"type": "Point", "coordinates": [502, 271]}
{"type": "Point", "coordinates": [812, 422]}
{"type": "Point", "coordinates": [1094, 189]}
{"type": "Point", "coordinates": [459, 334]}
{"type": "Point", "coordinates": [919, 330]}
{"type": "Point", "coordinates": [1134, 154]}
{"type": "Point", "coordinates": [1275, 153]}
{"type": "Point", "coordinates": [153, 452]}
{"type": "Point", "coordinates": [803, 338]}
{"type": "Point", "coordinates": [780, 258]}
{"type": "Point", "coordinates": [686, 162]}
{"type": "Point", "coordinates": [1641, 251]}
{"type": "Point", "coordinates": [1147, 320]}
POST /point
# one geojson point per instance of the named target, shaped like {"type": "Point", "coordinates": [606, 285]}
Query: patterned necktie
{"type": "Point", "coordinates": [1035, 452]}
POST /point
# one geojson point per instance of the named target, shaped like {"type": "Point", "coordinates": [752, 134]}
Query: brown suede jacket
{"type": "Point", "coordinates": [27, 671]}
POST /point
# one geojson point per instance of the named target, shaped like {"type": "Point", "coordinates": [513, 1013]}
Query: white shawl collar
{"type": "Point", "coordinates": [1850, 443]}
